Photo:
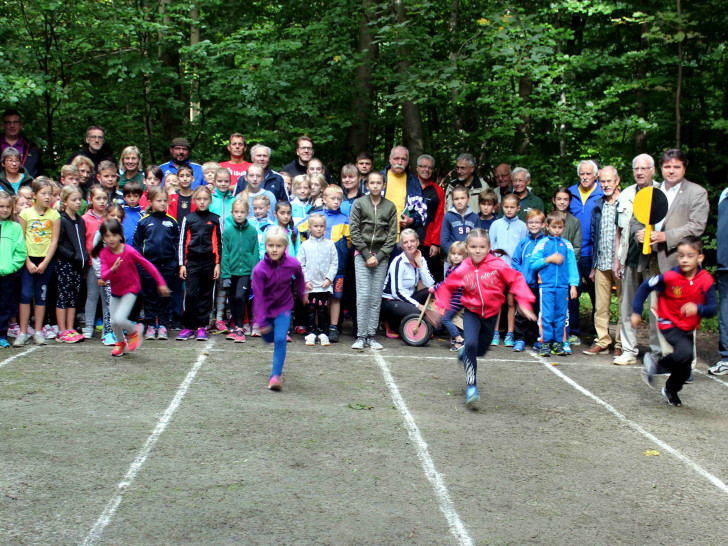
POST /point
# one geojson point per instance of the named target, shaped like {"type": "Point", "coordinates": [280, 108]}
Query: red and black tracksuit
{"type": "Point", "coordinates": [200, 250]}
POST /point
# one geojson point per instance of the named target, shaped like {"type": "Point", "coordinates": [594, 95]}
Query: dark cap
{"type": "Point", "coordinates": [180, 141]}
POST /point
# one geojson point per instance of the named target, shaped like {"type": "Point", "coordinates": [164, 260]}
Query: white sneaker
{"type": "Point", "coordinates": [88, 332]}
{"type": "Point", "coordinates": [39, 339]}
{"type": "Point", "coordinates": [721, 368]}
{"type": "Point", "coordinates": [358, 344]}
{"type": "Point", "coordinates": [310, 339]}
{"type": "Point", "coordinates": [48, 332]}
{"type": "Point", "coordinates": [21, 340]}
{"type": "Point", "coordinates": [324, 340]}
{"type": "Point", "coordinates": [624, 360]}
{"type": "Point", "coordinates": [374, 344]}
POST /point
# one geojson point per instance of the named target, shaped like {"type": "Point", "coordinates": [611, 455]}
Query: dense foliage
{"type": "Point", "coordinates": [540, 84]}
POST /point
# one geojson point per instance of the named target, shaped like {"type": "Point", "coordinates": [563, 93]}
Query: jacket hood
{"type": "Point", "coordinates": [467, 211]}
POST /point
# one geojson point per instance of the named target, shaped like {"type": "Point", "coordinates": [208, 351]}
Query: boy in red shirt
{"type": "Point", "coordinates": [686, 295]}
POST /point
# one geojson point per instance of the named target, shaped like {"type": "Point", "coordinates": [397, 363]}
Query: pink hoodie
{"type": "Point", "coordinates": [484, 286]}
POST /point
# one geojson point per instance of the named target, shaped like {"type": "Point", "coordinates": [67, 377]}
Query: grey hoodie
{"type": "Point", "coordinates": [319, 261]}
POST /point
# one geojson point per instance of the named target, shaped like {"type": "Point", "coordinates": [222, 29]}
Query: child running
{"type": "Point", "coordinates": [686, 294]}
{"type": "Point", "coordinates": [42, 227]}
{"type": "Point", "coordinates": [484, 278]}
{"type": "Point", "coordinates": [12, 258]}
{"type": "Point", "coordinates": [200, 249]}
{"type": "Point", "coordinates": [72, 259]}
{"type": "Point", "coordinates": [239, 256]}
{"type": "Point", "coordinates": [119, 266]}
{"type": "Point", "coordinates": [273, 300]}
{"type": "Point", "coordinates": [156, 238]}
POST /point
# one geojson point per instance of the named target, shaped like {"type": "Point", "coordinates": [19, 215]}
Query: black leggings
{"type": "Point", "coordinates": [199, 288]}
{"type": "Point", "coordinates": [679, 362]}
{"type": "Point", "coordinates": [238, 297]}
{"type": "Point", "coordinates": [393, 311]}
{"type": "Point", "coordinates": [318, 308]}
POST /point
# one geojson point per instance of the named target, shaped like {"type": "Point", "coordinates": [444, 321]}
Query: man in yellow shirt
{"type": "Point", "coordinates": [404, 190]}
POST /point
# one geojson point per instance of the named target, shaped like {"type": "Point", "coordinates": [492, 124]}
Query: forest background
{"type": "Point", "coordinates": [536, 84]}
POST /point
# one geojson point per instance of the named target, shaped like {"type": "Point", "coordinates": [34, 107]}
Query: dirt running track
{"type": "Point", "coordinates": [181, 443]}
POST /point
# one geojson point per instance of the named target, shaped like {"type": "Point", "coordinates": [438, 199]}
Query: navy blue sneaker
{"type": "Point", "coordinates": [519, 346]}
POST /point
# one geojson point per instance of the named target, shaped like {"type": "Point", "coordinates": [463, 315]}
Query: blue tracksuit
{"type": "Point", "coordinates": [554, 281]}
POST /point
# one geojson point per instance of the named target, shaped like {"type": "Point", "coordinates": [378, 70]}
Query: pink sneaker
{"type": "Point", "coordinates": [275, 383]}
{"type": "Point", "coordinates": [239, 336]}
{"type": "Point", "coordinates": [135, 340]}
{"type": "Point", "coordinates": [231, 336]}
{"type": "Point", "coordinates": [221, 327]}
{"type": "Point", "coordinates": [201, 334]}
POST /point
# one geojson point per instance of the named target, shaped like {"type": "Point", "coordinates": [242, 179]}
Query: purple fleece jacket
{"type": "Point", "coordinates": [272, 287]}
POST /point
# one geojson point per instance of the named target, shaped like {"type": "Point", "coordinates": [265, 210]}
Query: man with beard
{"type": "Point", "coordinates": [180, 152]}
{"type": "Point", "coordinates": [404, 190]}
{"type": "Point", "coordinates": [96, 148]}
{"type": "Point", "coordinates": [465, 166]}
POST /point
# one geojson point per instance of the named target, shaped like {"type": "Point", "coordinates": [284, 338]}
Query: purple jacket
{"type": "Point", "coordinates": [272, 287]}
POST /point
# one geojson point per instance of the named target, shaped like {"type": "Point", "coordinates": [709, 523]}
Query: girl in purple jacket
{"type": "Point", "coordinates": [273, 299]}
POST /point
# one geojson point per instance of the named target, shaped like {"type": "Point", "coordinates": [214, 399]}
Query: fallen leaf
{"type": "Point", "coordinates": [359, 406]}
{"type": "Point", "coordinates": [652, 453]}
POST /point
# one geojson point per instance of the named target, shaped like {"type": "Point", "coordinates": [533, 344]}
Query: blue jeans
{"type": "Point", "coordinates": [277, 334]}
{"type": "Point", "coordinates": [723, 316]}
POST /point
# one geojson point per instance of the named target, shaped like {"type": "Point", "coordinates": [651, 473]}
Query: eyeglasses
{"type": "Point", "coordinates": [642, 169]}
{"type": "Point", "coordinates": [306, 148]}
{"type": "Point", "coordinates": [12, 160]}
{"type": "Point", "coordinates": [426, 167]}
{"type": "Point", "coordinates": [501, 176]}
{"type": "Point", "coordinates": [95, 137]}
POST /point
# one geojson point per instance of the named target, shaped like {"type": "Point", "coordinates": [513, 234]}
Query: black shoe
{"type": "Point", "coordinates": [558, 349]}
{"type": "Point", "coordinates": [333, 334]}
{"type": "Point", "coordinates": [672, 399]}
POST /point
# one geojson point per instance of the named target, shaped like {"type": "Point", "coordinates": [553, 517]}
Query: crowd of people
{"type": "Point", "coordinates": [240, 249]}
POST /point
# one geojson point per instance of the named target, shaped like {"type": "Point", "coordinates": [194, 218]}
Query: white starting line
{"type": "Point", "coordinates": [18, 355]}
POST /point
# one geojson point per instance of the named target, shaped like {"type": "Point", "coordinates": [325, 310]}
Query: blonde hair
{"type": "Point", "coordinates": [66, 192]}
{"type": "Point", "coordinates": [263, 198]}
{"type": "Point", "coordinates": [299, 180]}
{"type": "Point", "coordinates": [127, 152]}
{"type": "Point", "coordinates": [241, 201]}
{"type": "Point", "coordinates": [201, 189]}
{"type": "Point", "coordinates": [333, 190]}
{"type": "Point", "coordinates": [211, 166]}
{"type": "Point", "coordinates": [70, 170]}
{"type": "Point", "coordinates": [457, 247]}
{"type": "Point", "coordinates": [275, 232]}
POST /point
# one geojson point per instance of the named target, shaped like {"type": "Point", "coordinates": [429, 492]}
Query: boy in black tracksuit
{"type": "Point", "coordinates": [157, 239]}
{"type": "Point", "coordinates": [200, 250]}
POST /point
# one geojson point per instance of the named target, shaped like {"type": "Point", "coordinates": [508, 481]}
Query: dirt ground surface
{"type": "Point", "coordinates": [181, 443]}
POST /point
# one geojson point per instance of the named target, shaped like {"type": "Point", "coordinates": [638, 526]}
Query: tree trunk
{"type": "Point", "coordinates": [413, 133]}
{"type": "Point", "coordinates": [169, 58]}
{"type": "Point", "coordinates": [640, 136]}
{"type": "Point", "coordinates": [455, 92]}
{"type": "Point", "coordinates": [522, 138]}
{"type": "Point", "coordinates": [361, 102]}
{"type": "Point", "coordinates": [195, 83]}
{"type": "Point", "coordinates": [678, 93]}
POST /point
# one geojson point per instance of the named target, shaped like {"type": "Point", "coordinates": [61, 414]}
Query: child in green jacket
{"type": "Point", "coordinates": [239, 257]}
{"type": "Point", "coordinates": [12, 258]}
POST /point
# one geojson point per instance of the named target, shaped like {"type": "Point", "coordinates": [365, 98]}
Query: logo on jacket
{"type": "Point", "coordinates": [677, 291]}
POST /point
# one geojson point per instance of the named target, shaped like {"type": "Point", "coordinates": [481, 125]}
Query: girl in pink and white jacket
{"type": "Point", "coordinates": [484, 278]}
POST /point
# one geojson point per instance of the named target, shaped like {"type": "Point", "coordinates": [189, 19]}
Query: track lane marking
{"type": "Point", "coordinates": [18, 355]}
{"type": "Point", "coordinates": [447, 507]}
{"type": "Point", "coordinates": [637, 428]}
{"type": "Point", "coordinates": [105, 518]}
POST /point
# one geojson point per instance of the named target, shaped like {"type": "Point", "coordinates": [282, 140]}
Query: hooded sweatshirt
{"type": "Point", "coordinates": [12, 248]}
{"type": "Point", "coordinates": [456, 226]}
{"type": "Point", "coordinates": [239, 250]}
{"type": "Point", "coordinates": [319, 261]}
{"type": "Point", "coordinates": [272, 287]}
{"type": "Point", "coordinates": [484, 286]}
{"type": "Point", "coordinates": [72, 241]}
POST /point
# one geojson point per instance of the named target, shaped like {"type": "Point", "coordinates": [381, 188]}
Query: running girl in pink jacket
{"type": "Point", "coordinates": [484, 279]}
{"type": "Point", "coordinates": [119, 265]}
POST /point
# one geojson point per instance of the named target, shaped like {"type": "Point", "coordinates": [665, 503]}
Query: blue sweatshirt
{"type": "Point", "coordinates": [551, 275]}
{"type": "Point", "coordinates": [157, 239]}
{"type": "Point", "coordinates": [456, 226]}
{"type": "Point", "coordinates": [521, 260]}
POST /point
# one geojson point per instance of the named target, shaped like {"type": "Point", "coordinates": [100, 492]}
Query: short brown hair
{"type": "Point", "coordinates": [487, 196]}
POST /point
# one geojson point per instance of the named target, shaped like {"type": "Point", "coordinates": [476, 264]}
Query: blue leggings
{"type": "Point", "coordinates": [277, 335]}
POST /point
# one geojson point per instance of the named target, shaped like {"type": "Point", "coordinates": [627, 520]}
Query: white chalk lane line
{"type": "Point", "coordinates": [106, 516]}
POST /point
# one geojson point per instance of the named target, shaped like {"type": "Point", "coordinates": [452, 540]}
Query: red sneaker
{"type": "Point", "coordinates": [135, 340]}
{"type": "Point", "coordinates": [118, 349]}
